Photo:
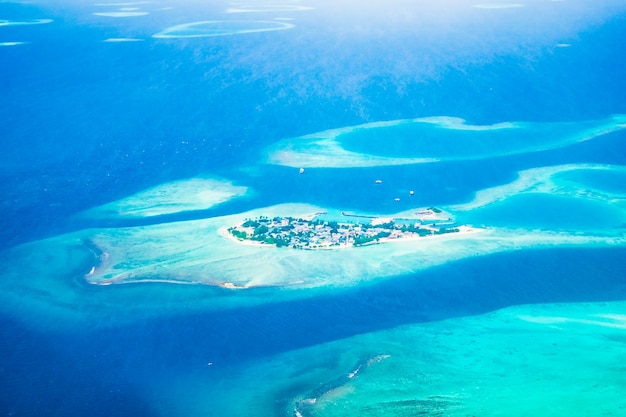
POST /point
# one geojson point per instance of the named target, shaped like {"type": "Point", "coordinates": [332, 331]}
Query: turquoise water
{"type": "Point", "coordinates": [133, 133]}
{"type": "Point", "coordinates": [554, 212]}
{"type": "Point", "coordinates": [612, 182]}
{"type": "Point", "coordinates": [421, 139]}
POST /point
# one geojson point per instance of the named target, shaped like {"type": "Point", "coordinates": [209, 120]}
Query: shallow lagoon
{"type": "Point", "coordinates": [412, 141]}
{"type": "Point", "coordinates": [460, 366]}
{"type": "Point", "coordinates": [608, 181]}
{"type": "Point", "coordinates": [220, 28]}
{"type": "Point", "coordinates": [526, 214]}
{"type": "Point", "coordinates": [554, 212]}
{"type": "Point", "coordinates": [447, 138]}
{"type": "Point", "coordinates": [100, 137]}
{"type": "Point", "coordinates": [518, 358]}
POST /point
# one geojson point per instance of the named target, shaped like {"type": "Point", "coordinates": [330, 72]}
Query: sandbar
{"type": "Point", "coordinates": [25, 22]}
{"type": "Point", "coordinates": [221, 28]}
{"type": "Point", "coordinates": [120, 14]}
{"type": "Point", "coordinates": [196, 251]}
{"type": "Point", "coordinates": [262, 8]}
{"type": "Point", "coordinates": [12, 43]}
{"type": "Point", "coordinates": [123, 4]}
{"type": "Point", "coordinates": [545, 180]}
{"type": "Point", "coordinates": [498, 5]}
{"type": "Point", "coordinates": [479, 365]}
{"type": "Point", "coordinates": [331, 148]}
{"type": "Point", "coordinates": [122, 40]}
{"type": "Point", "coordinates": [171, 197]}
{"type": "Point", "coordinates": [482, 365]}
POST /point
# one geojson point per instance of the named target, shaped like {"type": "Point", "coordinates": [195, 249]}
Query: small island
{"type": "Point", "coordinates": [312, 233]}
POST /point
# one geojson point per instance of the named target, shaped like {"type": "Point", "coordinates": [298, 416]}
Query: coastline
{"type": "Point", "coordinates": [204, 252]}
{"type": "Point", "coordinates": [463, 230]}
{"type": "Point", "coordinates": [101, 259]}
{"type": "Point", "coordinates": [379, 261]}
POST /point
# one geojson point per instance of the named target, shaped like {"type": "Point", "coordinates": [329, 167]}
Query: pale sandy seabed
{"type": "Point", "coordinates": [325, 149]}
{"type": "Point", "coordinates": [169, 198]}
{"type": "Point", "coordinates": [545, 180]}
{"type": "Point", "coordinates": [123, 4]}
{"type": "Point", "coordinates": [201, 251]}
{"type": "Point", "coordinates": [120, 14]}
{"type": "Point", "coordinates": [122, 40]}
{"type": "Point", "coordinates": [196, 251]}
{"type": "Point", "coordinates": [210, 28]}
{"type": "Point", "coordinates": [264, 8]}
{"type": "Point", "coordinates": [56, 272]}
{"type": "Point", "coordinates": [12, 43]}
{"type": "Point", "coordinates": [4, 22]}
{"type": "Point", "coordinates": [498, 5]}
{"type": "Point", "coordinates": [528, 360]}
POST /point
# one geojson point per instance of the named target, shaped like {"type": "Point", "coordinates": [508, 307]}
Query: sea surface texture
{"type": "Point", "coordinates": [139, 140]}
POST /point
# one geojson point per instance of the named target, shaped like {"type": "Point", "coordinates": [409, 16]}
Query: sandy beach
{"type": "Point", "coordinates": [205, 252]}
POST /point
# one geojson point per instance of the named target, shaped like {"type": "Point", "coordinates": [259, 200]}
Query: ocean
{"type": "Point", "coordinates": [132, 133]}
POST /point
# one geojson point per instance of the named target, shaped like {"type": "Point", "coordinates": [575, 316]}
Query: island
{"type": "Point", "coordinates": [313, 233]}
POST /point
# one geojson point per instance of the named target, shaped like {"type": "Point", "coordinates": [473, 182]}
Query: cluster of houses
{"type": "Point", "coordinates": [300, 233]}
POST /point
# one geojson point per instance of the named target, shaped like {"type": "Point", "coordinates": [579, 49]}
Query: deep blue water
{"type": "Point", "coordinates": [84, 123]}
{"type": "Point", "coordinates": [69, 372]}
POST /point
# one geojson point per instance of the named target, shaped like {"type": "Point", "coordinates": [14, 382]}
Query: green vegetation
{"type": "Point", "coordinates": [443, 230]}
{"type": "Point", "coordinates": [364, 240]}
{"type": "Point", "coordinates": [238, 233]}
{"type": "Point", "coordinates": [261, 230]}
{"type": "Point", "coordinates": [318, 234]}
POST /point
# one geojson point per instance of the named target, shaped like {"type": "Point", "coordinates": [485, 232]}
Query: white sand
{"type": "Point", "coordinates": [493, 364]}
{"type": "Point", "coordinates": [172, 197]}
{"type": "Point", "coordinates": [220, 28]}
{"type": "Point", "coordinates": [263, 8]}
{"type": "Point", "coordinates": [120, 14]}
{"type": "Point", "coordinates": [196, 251]}
{"type": "Point", "coordinates": [123, 4]}
{"type": "Point", "coordinates": [498, 5]}
{"type": "Point", "coordinates": [324, 149]}
{"type": "Point", "coordinates": [25, 22]}
{"type": "Point", "coordinates": [122, 40]}
{"type": "Point", "coordinates": [540, 180]}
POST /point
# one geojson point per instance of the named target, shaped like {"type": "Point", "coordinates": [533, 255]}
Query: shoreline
{"type": "Point", "coordinates": [487, 241]}
{"type": "Point", "coordinates": [463, 230]}
{"type": "Point", "coordinates": [100, 256]}
{"type": "Point", "coordinates": [198, 252]}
